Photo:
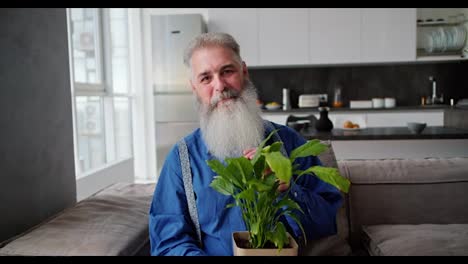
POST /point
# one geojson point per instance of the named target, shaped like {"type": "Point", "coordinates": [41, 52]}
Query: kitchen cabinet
{"type": "Point", "coordinates": [440, 23]}
{"type": "Point", "coordinates": [335, 35]}
{"type": "Point", "coordinates": [242, 24]}
{"type": "Point", "coordinates": [310, 36]}
{"type": "Point", "coordinates": [432, 118]}
{"type": "Point", "coordinates": [283, 36]}
{"type": "Point", "coordinates": [388, 34]}
{"type": "Point", "coordinates": [338, 119]}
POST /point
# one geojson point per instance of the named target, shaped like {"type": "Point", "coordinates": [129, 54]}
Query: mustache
{"type": "Point", "coordinates": [228, 93]}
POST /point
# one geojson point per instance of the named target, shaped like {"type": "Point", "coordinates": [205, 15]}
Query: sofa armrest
{"type": "Point", "coordinates": [110, 223]}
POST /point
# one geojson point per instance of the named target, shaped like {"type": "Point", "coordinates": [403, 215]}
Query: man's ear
{"type": "Point", "coordinates": [245, 71]}
{"type": "Point", "coordinates": [192, 86]}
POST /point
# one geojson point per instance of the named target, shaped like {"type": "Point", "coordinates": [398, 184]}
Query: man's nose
{"type": "Point", "coordinates": [219, 84]}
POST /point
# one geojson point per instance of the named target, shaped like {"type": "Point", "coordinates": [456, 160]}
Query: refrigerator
{"type": "Point", "coordinates": [174, 104]}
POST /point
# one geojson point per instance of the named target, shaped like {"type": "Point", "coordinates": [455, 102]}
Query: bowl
{"type": "Point", "coordinates": [416, 127]}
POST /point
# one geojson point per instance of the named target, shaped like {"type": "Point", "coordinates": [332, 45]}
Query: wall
{"type": "Point", "coordinates": [36, 143]}
{"type": "Point", "coordinates": [406, 82]}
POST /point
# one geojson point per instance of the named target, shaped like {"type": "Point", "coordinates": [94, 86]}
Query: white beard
{"type": "Point", "coordinates": [234, 126]}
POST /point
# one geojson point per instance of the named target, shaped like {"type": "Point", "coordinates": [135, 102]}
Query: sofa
{"type": "Point", "coordinates": [112, 222]}
{"type": "Point", "coordinates": [407, 206]}
{"type": "Point", "coordinates": [399, 207]}
{"type": "Point", "coordinates": [394, 207]}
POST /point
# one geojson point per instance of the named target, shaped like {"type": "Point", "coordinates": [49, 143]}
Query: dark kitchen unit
{"type": "Point", "coordinates": [406, 82]}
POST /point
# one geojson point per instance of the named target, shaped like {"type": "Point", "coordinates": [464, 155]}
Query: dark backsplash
{"type": "Point", "coordinates": [406, 82]}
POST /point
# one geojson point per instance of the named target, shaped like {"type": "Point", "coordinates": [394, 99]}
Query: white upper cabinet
{"type": "Point", "coordinates": [335, 35]}
{"type": "Point", "coordinates": [242, 24]}
{"type": "Point", "coordinates": [388, 34]}
{"type": "Point", "coordinates": [283, 36]}
{"type": "Point", "coordinates": [311, 36]}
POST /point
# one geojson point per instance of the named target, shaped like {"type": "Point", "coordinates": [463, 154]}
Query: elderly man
{"type": "Point", "coordinates": [186, 221]}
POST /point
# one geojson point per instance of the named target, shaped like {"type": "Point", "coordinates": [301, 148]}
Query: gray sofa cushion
{"type": "Point", "coordinates": [110, 223]}
{"type": "Point", "coordinates": [417, 240]}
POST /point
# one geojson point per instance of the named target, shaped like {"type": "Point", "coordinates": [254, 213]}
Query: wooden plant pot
{"type": "Point", "coordinates": [290, 250]}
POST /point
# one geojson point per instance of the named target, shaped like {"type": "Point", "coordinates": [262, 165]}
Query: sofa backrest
{"type": "Point", "coordinates": [406, 191]}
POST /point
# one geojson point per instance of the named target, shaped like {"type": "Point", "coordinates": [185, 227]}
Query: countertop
{"type": "Point", "coordinates": [385, 133]}
{"type": "Point", "coordinates": [347, 109]}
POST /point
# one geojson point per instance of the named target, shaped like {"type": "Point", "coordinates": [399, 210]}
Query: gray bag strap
{"type": "Point", "coordinates": [276, 137]}
{"type": "Point", "coordinates": [188, 186]}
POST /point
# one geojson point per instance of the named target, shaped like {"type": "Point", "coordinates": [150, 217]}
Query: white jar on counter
{"type": "Point", "coordinates": [377, 102]}
{"type": "Point", "coordinates": [389, 102]}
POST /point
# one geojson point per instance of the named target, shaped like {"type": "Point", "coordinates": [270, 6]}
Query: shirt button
{"type": "Point", "coordinates": [295, 194]}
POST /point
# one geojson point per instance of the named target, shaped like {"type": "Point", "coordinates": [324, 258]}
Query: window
{"type": "Point", "coordinates": [101, 91]}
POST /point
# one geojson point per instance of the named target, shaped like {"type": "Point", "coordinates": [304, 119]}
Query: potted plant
{"type": "Point", "coordinates": [254, 186]}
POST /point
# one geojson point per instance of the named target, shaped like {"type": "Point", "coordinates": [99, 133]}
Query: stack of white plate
{"type": "Point", "coordinates": [443, 39]}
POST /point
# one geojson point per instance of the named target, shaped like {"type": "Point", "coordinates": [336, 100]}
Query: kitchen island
{"type": "Point", "coordinates": [380, 133]}
{"type": "Point", "coordinates": [394, 142]}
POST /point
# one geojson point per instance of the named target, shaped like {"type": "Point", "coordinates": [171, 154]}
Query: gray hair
{"type": "Point", "coordinates": [212, 39]}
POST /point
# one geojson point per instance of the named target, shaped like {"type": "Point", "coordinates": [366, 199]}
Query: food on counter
{"type": "Point", "coordinates": [273, 104]}
{"type": "Point", "coordinates": [349, 124]}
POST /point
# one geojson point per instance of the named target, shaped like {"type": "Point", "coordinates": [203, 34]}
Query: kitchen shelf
{"type": "Point", "coordinates": [440, 23]}
{"type": "Point", "coordinates": [442, 57]}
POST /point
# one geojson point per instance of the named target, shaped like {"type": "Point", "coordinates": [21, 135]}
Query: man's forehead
{"type": "Point", "coordinates": [213, 55]}
{"type": "Point", "coordinates": [204, 64]}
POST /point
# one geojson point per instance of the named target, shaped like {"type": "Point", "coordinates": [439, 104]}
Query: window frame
{"type": "Point", "coordinates": [102, 89]}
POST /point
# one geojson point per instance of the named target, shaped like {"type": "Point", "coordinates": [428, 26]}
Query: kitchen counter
{"type": "Point", "coordinates": [385, 133]}
{"type": "Point", "coordinates": [347, 109]}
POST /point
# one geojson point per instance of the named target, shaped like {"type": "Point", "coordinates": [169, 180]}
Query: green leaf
{"type": "Point", "coordinates": [331, 176]}
{"type": "Point", "coordinates": [262, 144]}
{"type": "Point", "coordinates": [259, 185]}
{"type": "Point", "coordinates": [259, 167]}
{"type": "Point", "coordinates": [255, 228]}
{"type": "Point", "coordinates": [270, 180]}
{"type": "Point", "coordinates": [280, 165]}
{"type": "Point", "coordinates": [230, 205]}
{"type": "Point", "coordinates": [276, 146]}
{"type": "Point", "coordinates": [243, 168]}
{"type": "Point", "coordinates": [298, 222]}
{"type": "Point", "coordinates": [278, 236]}
{"type": "Point", "coordinates": [217, 167]}
{"type": "Point", "coordinates": [288, 203]}
{"type": "Point", "coordinates": [248, 195]}
{"type": "Point", "coordinates": [229, 173]}
{"type": "Point", "coordinates": [222, 186]}
{"type": "Point", "coordinates": [311, 148]}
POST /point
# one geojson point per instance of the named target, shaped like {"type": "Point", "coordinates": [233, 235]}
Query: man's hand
{"type": "Point", "coordinates": [250, 153]}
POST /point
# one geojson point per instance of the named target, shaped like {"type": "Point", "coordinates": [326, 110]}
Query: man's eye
{"type": "Point", "coordinates": [204, 79]}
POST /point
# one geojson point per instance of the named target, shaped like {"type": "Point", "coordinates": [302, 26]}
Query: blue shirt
{"type": "Point", "coordinates": [171, 230]}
